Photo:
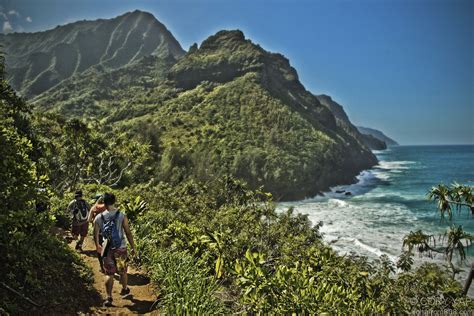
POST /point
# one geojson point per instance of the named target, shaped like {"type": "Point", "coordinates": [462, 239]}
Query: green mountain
{"type": "Point", "coordinates": [343, 121]}
{"type": "Point", "coordinates": [100, 92]}
{"type": "Point", "coordinates": [336, 109]}
{"type": "Point", "coordinates": [269, 129]}
{"type": "Point", "coordinates": [377, 134]}
{"type": "Point", "coordinates": [38, 61]}
{"type": "Point", "coordinates": [226, 107]}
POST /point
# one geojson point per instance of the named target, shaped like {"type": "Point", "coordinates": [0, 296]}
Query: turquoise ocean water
{"type": "Point", "coordinates": [390, 200]}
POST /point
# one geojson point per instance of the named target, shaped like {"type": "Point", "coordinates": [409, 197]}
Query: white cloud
{"type": "Point", "coordinates": [4, 16]}
{"type": "Point", "coordinates": [7, 27]}
{"type": "Point", "coordinates": [29, 19]}
{"type": "Point", "coordinates": [13, 12]}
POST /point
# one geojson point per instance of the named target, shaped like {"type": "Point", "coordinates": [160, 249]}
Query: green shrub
{"type": "Point", "coordinates": [187, 288]}
{"type": "Point", "coordinates": [33, 262]}
{"type": "Point", "coordinates": [268, 262]}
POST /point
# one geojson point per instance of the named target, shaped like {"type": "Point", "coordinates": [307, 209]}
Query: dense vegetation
{"type": "Point", "coordinates": [227, 107]}
{"type": "Point", "coordinates": [35, 265]}
{"type": "Point", "coordinates": [266, 262]}
{"type": "Point", "coordinates": [212, 248]}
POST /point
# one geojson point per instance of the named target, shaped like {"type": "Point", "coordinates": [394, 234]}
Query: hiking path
{"type": "Point", "coordinates": [142, 294]}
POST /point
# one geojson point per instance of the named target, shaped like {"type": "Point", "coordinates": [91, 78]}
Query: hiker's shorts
{"type": "Point", "coordinates": [80, 229]}
{"type": "Point", "coordinates": [115, 261]}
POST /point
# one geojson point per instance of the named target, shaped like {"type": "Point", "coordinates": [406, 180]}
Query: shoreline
{"type": "Point", "coordinates": [349, 221]}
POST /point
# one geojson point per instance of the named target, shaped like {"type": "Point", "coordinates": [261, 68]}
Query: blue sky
{"type": "Point", "coordinates": [405, 67]}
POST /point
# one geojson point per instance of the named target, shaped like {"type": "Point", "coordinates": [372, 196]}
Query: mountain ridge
{"type": "Point", "coordinates": [227, 106]}
{"type": "Point", "coordinates": [277, 134]}
{"type": "Point", "coordinates": [275, 69]}
{"type": "Point", "coordinates": [377, 134]}
{"type": "Point", "coordinates": [38, 61]}
{"type": "Point", "coordinates": [344, 122]}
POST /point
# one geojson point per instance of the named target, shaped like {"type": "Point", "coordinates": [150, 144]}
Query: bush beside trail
{"type": "Point", "coordinates": [40, 273]}
{"type": "Point", "coordinates": [222, 247]}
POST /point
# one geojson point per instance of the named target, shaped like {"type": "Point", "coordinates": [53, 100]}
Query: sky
{"type": "Point", "coordinates": [405, 67]}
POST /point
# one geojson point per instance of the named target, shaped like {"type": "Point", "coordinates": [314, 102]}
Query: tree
{"type": "Point", "coordinates": [18, 176]}
{"type": "Point", "coordinates": [455, 240]}
{"type": "Point", "coordinates": [74, 153]}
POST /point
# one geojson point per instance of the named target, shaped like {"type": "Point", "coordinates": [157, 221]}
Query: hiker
{"type": "Point", "coordinates": [114, 227]}
{"type": "Point", "coordinates": [97, 208]}
{"type": "Point", "coordinates": [80, 210]}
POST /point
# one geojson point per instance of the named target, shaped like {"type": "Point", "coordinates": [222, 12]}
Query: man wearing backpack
{"type": "Point", "coordinates": [114, 227]}
{"type": "Point", "coordinates": [79, 210]}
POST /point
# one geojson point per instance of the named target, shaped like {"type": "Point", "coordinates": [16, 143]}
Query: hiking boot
{"type": "Point", "coordinates": [79, 246]}
{"type": "Point", "coordinates": [125, 292]}
{"type": "Point", "coordinates": [108, 302]}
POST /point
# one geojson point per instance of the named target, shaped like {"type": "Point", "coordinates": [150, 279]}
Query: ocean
{"type": "Point", "coordinates": [390, 200]}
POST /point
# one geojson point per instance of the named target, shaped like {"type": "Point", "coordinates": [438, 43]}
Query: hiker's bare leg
{"type": "Point", "coordinates": [124, 280]}
{"type": "Point", "coordinates": [101, 262]}
{"type": "Point", "coordinates": [109, 284]}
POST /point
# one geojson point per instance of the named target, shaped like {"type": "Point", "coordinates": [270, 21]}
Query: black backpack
{"type": "Point", "coordinates": [80, 210]}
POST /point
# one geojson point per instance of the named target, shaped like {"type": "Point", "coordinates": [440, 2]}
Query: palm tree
{"type": "Point", "coordinates": [456, 240]}
{"type": "Point", "coordinates": [443, 196]}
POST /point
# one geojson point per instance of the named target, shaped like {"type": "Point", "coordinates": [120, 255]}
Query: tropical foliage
{"type": "Point", "coordinates": [455, 240]}
{"type": "Point", "coordinates": [222, 248]}
{"type": "Point", "coordinates": [35, 265]}
{"type": "Point", "coordinates": [254, 260]}
{"type": "Point", "coordinates": [191, 160]}
{"type": "Point", "coordinates": [227, 107]}
{"type": "Point", "coordinates": [73, 152]}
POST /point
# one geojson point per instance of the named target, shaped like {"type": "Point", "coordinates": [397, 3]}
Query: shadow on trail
{"type": "Point", "coordinates": [140, 306]}
{"type": "Point", "coordinates": [90, 253]}
{"type": "Point", "coordinates": [134, 279]}
{"type": "Point", "coordinates": [137, 279]}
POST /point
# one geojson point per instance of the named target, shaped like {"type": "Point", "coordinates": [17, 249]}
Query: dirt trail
{"type": "Point", "coordinates": [141, 297]}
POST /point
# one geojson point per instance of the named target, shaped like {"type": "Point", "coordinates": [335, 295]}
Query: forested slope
{"type": "Point", "coordinates": [227, 107]}
{"type": "Point", "coordinates": [39, 272]}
